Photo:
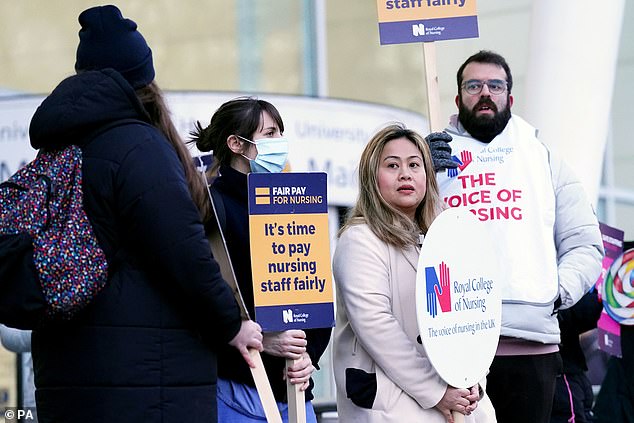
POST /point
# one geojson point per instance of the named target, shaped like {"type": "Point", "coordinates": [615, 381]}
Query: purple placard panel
{"type": "Point", "coordinates": [427, 30]}
{"type": "Point", "coordinates": [298, 316]}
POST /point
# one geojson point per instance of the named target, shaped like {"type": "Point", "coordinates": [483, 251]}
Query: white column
{"type": "Point", "coordinates": [321, 36]}
{"type": "Point", "coordinates": [573, 54]}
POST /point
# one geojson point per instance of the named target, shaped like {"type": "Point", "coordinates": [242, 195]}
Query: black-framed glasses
{"type": "Point", "coordinates": [474, 86]}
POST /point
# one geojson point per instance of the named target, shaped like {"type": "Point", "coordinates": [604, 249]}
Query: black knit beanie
{"type": "Point", "coordinates": [108, 40]}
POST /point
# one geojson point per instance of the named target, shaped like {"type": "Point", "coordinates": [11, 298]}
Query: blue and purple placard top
{"type": "Point", "coordinates": [414, 21]}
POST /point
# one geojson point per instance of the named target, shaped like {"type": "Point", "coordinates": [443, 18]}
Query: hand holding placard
{"type": "Point", "coordinates": [243, 341]}
{"type": "Point", "coordinates": [219, 249]}
{"type": "Point", "coordinates": [464, 312]}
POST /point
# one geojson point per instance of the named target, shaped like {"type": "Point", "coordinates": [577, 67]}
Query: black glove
{"type": "Point", "coordinates": [438, 143]}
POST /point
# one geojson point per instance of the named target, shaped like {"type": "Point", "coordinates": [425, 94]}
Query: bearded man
{"type": "Point", "coordinates": [545, 230]}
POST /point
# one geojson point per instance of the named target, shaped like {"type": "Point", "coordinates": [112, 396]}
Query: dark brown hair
{"type": "Point", "coordinates": [241, 116]}
{"type": "Point", "coordinates": [485, 56]}
{"type": "Point", "coordinates": [152, 99]}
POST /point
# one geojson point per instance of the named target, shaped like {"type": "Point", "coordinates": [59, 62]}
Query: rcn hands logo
{"type": "Point", "coordinates": [438, 291]}
{"type": "Point", "coordinates": [463, 161]}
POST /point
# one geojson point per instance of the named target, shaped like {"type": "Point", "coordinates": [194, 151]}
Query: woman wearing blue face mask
{"type": "Point", "coordinates": [245, 135]}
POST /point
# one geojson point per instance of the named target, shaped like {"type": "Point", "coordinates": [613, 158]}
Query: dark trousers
{"type": "Point", "coordinates": [615, 402]}
{"type": "Point", "coordinates": [522, 387]}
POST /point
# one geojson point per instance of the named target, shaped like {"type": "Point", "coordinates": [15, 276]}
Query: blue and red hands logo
{"type": "Point", "coordinates": [463, 161]}
{"type": "Point", "coordinates": [438, 291]}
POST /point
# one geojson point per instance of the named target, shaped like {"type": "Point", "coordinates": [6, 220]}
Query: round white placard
{"type": "Point", "coordinates": [458, 304]}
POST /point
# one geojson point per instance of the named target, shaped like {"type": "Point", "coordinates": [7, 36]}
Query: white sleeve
{"type": "Point", "coordinates": [577, 235]}
{"type": "Point", "coordinates": [15, 340]}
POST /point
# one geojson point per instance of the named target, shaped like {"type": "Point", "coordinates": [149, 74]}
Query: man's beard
{"type": "Point", "coordinates": [484, 128]}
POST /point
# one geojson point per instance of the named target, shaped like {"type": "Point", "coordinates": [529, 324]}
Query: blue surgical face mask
{"type": "Point", "coordinates": [271, 157]}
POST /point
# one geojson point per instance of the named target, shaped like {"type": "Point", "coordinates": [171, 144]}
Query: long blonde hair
{"type": "Point", "coordinates": [386, 222]}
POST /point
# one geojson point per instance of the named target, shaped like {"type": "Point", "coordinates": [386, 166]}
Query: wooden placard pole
{"type": "Point", "coordinates": [435, 120]}
{"type": "Point", "coordinates": [219, 249]}
{"type": "Point", "coordinates": [296, 400]}
{"type": "Point", "coordinates": [433, 92]}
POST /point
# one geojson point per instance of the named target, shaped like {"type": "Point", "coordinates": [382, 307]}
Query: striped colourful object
{"type": "Point", "coordinates": [618, 289]}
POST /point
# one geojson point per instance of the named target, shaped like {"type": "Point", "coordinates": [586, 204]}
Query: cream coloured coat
{"type": "Point", "coordinates": [376, 333]}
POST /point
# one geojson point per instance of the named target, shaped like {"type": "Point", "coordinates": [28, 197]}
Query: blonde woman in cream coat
{"type": "Point", "coordinates": [382, 373]}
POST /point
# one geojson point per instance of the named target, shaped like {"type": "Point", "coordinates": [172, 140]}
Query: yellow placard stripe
{"type": "Point", "coordinates": [408, 10]}
{"type": "Point", "coordinates": [262, 191]}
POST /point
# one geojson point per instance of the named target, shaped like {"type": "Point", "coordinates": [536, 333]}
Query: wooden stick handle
{"type": "Point", "coordinates": [457, 417]}
{"type": "Point", "coordinates": [433, 91]}
{"type": "Point", "coordinates": [296, 400]}
{"type": "Point", "coordinates": [264, 388]}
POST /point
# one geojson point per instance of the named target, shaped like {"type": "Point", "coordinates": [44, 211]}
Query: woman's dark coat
{"type": "Point", "coordinates": [144, 350]}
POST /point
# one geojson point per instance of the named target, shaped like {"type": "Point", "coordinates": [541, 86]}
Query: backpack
{"type": "Point", "coordinates": [51, 265]}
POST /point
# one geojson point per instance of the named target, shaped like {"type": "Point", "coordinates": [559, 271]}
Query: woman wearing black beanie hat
{"type": "Point", "coordinates": [108, 40]}
{"type": "Point", "coordinates": [145, 349]}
